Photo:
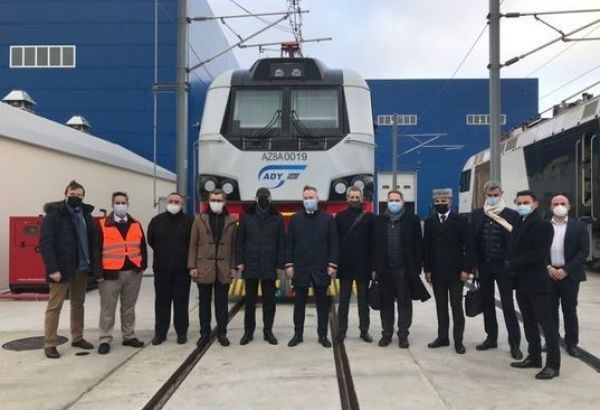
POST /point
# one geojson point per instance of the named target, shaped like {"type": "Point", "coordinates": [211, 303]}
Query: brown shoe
{"type": "Point", "coordinates": [51, 352]}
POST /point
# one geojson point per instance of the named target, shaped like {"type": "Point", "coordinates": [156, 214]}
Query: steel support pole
{"type": "Point", "coordinates": [495, 92]}
{"type": "Point", "coordinates": [181, 104]}
{"type": "Point", "coordinates": [395, 152]}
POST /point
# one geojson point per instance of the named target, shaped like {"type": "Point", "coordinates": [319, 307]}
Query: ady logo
{"type": "Point", "coordinates": [274, 176]}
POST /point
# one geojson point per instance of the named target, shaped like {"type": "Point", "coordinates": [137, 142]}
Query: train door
{"type": "Point", "coordinates": [482, 175]}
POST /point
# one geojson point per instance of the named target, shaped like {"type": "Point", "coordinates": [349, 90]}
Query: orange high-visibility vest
{"type": "Point", "coordinates": [115, 248]}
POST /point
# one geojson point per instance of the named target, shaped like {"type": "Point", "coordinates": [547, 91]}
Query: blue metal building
{"type": "Point", "coordinates": [456, 109]}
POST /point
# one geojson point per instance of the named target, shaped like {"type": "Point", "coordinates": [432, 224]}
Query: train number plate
{"type": "Point", "coordinates": [284, 156]}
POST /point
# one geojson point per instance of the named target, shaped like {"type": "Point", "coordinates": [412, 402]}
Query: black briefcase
{"type": "Point", "coordinates": [375, 295]}
{"type": "Point", "coordinates": [473, 301]}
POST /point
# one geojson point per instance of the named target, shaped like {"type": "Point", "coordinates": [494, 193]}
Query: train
{"type": "Point", "coordinates": [553, 155]}
{"type": "Point", "coordinates": [282, 124]}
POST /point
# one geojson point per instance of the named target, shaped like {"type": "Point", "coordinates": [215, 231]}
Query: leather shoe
{"type": "Point", "coordinates": [403, 343]}
{"type": "Point", "coordinates": [295, 341]}
{"type": "Point", "coordinates": [516, 353]}
{"type": "Point", "coordinates": [487, 344]}
{"type": "Point", "coordinates": [270, 337]}
{"type": "Point", "coordinates": [83, 344]}
{"type": "Point", "coordinates": [51, 352]}
{"type": "Point", "coordinates": [384, 341]}
{"type": "Point", "coordinates": [223, 341]}
{"type": "Point", "coordinates": [547, 373]}
{"type": "Point", "coordinates": [104, 348]}
{"type": "Point", "coordinates": [134, 342]}
{"type": "Point", "coordinates": [340, 337]}
{"type": "Point", "coordinates": [157, 340]}
{"type": "Point", "coordinates": [181, 339]}
{"type": "Point", "coordinates": [366, 337]}
{"type": "Point", "coordinates": [203, 341]}
{"type": "Point", "coordinates": [460, 348]}
{"type": "Point", "coordinates": [528, 363]}
{"type": "Point", "coordinates": [246, 338]}
{"type": "Point", "coordinates": [438, 343]}
{"type": "Point", "coordinates": [324, 341]}
{"type": "Point", "coordinates": [572, 351]}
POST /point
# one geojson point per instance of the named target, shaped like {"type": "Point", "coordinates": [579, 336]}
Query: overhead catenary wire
{"type": "Point", "coordinates": [570, 82]}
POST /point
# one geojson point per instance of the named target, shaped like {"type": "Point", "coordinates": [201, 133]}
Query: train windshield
{"type": "Point", "coordinates": [315, 108]}
{"type": "Point", "coordinates": [256, 109]}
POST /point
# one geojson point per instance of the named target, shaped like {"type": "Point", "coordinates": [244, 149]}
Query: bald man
{"type": "Point", "coordinates": [568, 253]}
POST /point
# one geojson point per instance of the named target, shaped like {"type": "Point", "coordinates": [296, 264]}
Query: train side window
{"type": "Point", "coordinates": [465, 180]}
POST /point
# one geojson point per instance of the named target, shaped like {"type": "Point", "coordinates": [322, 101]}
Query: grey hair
{"type": "Point", "coordinates": [354, 189]}
{"type": "Point", "coordinates": [491, 184]}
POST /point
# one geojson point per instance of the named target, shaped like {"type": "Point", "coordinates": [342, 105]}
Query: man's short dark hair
{"type": "Point", "coordinates": [178, 194]}
{"type": "Point", "coordinates": [218, 191]}
{"type": "Point", "coordinates": [527, 192]}
{"type": "Point", "coordinates": [395, 191]}
{"type": "Point", "coordinates": [309, 188]}
{"type": "Point", "coordinates": [74, 185]}
{"type": "Point", "coordinates": [119, 193]}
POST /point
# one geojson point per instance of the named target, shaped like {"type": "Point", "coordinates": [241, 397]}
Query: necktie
{"type": "Point", "coordinates": [442, 218]}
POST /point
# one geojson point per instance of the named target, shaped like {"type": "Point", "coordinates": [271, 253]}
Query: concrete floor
{"type": "Point", "coordinates": [278, 377]}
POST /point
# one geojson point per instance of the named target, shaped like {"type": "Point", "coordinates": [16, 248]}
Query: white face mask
{"type": "Point", "coordinates": [120, 210]}
{"type": "Point", "coordinates": [173, 208]}
{"type": "Point", "coordinates": [560, 211]}
{"type": "Point", "coordinates": [216, 207]}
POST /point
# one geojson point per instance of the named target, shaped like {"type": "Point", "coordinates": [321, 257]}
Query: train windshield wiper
{"type": "Point", "coordinates": [267, 130]}
{"type": "Point", "coordinates": [302, 130]}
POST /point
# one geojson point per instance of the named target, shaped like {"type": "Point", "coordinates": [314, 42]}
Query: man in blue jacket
{"type": "Point", "coordinates": [311, 260]}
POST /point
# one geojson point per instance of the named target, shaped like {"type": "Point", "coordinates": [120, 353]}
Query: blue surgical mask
{"type": "Point", "coordinates": [492, 200]}
{"type": "Point", "coordinates": [120, 210]}
{"type": "Point", "coordinates": [395, 207]}
{"type": "Point", "coordinates": [524, 209]}
{"type": "Point", "coordinates": [311, 205]}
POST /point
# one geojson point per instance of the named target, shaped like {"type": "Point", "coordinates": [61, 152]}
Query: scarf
{"type": "Point", "coordinates": [494, 213]}
{"type": "Point", "coordinates": [396, 216]}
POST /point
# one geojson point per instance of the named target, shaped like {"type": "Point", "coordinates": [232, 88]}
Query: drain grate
{"type": "Point", "coordinates": [30, 343]}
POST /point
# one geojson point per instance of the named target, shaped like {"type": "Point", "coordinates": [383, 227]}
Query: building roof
{"type": "Point", "coordinates": [24, 126]}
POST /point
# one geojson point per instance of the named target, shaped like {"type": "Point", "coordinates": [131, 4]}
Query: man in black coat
{"type": "Point", "coordinates": [169, 237]}
{"type": "Point", "coordinates": [397, 264]}
{"type": "Point", "coordinates": [492, 225]}
{"type": "Point", "coordinates": [447, 261]}
{"type": "Point", "coordinates": [354, 227]}
{"type": "Point", "coordinates": [529, 247]}
{"type": "Point", "coordinates": [67, 237]}
{"type": "Point", "coordinates": [568, 253]}
{"type": "Point", "coordinates": [311, 260]}
{"type": "Point", "coordinates": [260, 254]}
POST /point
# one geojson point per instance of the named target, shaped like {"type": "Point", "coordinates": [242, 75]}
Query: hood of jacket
{"type": "Point", "coordinates": [253, 209]}
{"type": "Point", "coordinates": [61, 206]}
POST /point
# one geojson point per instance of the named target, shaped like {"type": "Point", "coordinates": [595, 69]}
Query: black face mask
{"type": "Point", "coordinates": [355, 204]}
{"type": "Point", "coordinates": [74, 201]}
{"type": "Point", "coordinates": [263, 202]}
{"type": "Point", "coordinates": [442, 208]}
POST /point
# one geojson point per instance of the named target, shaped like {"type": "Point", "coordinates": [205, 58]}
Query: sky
{"type": "Point", "coordinates": [401, 39]}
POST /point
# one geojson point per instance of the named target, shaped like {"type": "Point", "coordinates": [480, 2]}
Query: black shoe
{"type": "Point", "coordinates": [366, 337]}
{"type": "Point", "coordinates": [295, 341]}
{"type": "Point", "coordinates": [104, 348]}
{"type": "Point", "coordinates": [460, 348]}
{"type": "Point", "coordinates": [438, 343]}
{"type": "Point", "coordinates": [223, 341]}
{"type": "Point", "coordinates": [246, 338]}
{"type": "Point", "coordinates": [487, 344]}
{"type": "Point", "coordinates": [134, 342]}
{"type": "Point", "coordinates": [51, 352]}
{"type": "Point", "coordinates": [158, 340]}
{"type": "Point", "coordinates": [403, 343]}
{"type": "Point", "coordinates": [270, 337]}
{"type": "Point", "coordinates": [516, 353]}
{"type": "Point", "coordinates": [340, 337]}
{"type": "Point", "coordinates": [324, 341]}
{"type": "Point", "coordinates": [203, 341]}
{"type": "Point", "coordinates": [572, 351]}
{"type": "Point", "coordinates": [181, 339]}
{"type": "Point", "coordinates": [547, 373]}
{"type": "Point", "coordinates": [384, 341]}
{"type": "Point", "coordinates": [528, 363]}
{"type": "Point", "coordinates": [83, 344]}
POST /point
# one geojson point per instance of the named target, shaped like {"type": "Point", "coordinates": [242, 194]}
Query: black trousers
{"type": "Point", "coordinates": [441, 290]}
{"type": "Point", "coordinates": [205, 292]}
{"type": "Point", "coordinates": [565, 293]}
{"type": "Point", "coordinates": [488, 274]}
{"type": "Point", "coordinates": [362, 288]}
{"type": "Point", "coordinates": [395, 287]}
{"type": "Point", "coordinates": [267, 287]}
{"type": "Point", "coordinates": [171, 288]}
{"type": "Point", "coordinates": [322, 302]}
{"type": "Point", "coordinates": [536, 309]}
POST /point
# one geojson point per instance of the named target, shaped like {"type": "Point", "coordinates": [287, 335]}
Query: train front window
{"type": "Point", "coordinates": [316, 108]}
{"type": "Point", "coordinates": [257, 109]}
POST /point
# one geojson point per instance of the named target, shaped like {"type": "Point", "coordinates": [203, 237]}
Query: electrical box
{"type": "Point", "coordinates": [26, 268]}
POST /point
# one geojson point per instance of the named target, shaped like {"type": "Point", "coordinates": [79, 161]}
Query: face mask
{"type": "Point", "coordinates": [560, 211]}
{"type": "Point", "coordinates": [442, 208]}
{"type": "Point", "coordinates": [263, 201]}
{"type": "Point", "coordinates": [173, 208]}
{"type": "Point", "coordinates": [492, 200]}
{"type": "Point", "coordinates": [216, 207]}
{"type": "Point", "coordinates": [74, 201]}
{"type": "Point", "coordinates": [395, 207]}
{"type": "Point", "coordinates": [120, 210]}
{"type": "Point", "coordinates": [355, 204]}
{"type": "Point", "coordinates": [524, 209]}
{"type": "Point", "coordinates": [311, 205]}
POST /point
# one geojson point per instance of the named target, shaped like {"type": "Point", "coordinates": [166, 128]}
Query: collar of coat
{"type": "Point", "coordinates": [253, 209]}
{"type": "Point", "coordinates": [227, 221]}
{"type": "Point", "coordinates": [61, 206]}
{"type": "Point", "coordinates": [110, 219]}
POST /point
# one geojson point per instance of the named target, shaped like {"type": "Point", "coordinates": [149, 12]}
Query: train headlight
{"type": "Point", "coordinates": [359, 183]}
{"type": "Point", "coordinates": [279, 73]}
{"type": "Point", "coordinates": [209, 185]}
{"type": "Point", "coordinates": [228, 187]}
{"type": "Point", "coordinates": [340, 187]}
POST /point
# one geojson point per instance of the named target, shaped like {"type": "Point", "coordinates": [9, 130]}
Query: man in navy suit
{"type": "Point", "coordinates": [569, 250]}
